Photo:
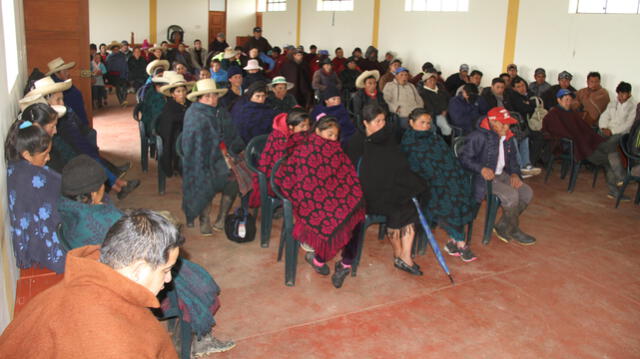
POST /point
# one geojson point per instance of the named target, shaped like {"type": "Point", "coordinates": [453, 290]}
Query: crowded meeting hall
{"type": "Point", "coordinates": [263, 178]}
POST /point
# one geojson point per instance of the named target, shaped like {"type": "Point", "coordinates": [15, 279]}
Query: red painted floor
{"type": "Point", "coordinates": [575, 294]}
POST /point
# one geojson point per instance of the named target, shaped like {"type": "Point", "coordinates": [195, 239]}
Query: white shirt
{"type": "Point", "coordinates": [618, 117]}
{"type": "Point", "coordinates": [500, 165]}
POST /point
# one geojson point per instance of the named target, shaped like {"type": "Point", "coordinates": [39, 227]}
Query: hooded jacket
{"type": "Point", "coordinates": [481, 150]}
{"type": "Point", "coordinates": [94, 312]}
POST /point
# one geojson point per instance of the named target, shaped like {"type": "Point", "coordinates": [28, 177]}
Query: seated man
{"type": "Point", "coordinates": [59, 72]}
{"type": "Point", "coordinates": [390, 74]}
{"type": "Point", "coordinates": [564, 82]}
{"type": "Point", "coordinates": [489, 153]}
{"type": "Point", "coordinates": [101, 308]}
{"type": "Point", "coordinates": [540, 85]}
{"type": "Point", "coordinates": [464, 109]}
{"type": "Point", "coordinates": [474, 78]}
{"type": "Point", "coordinates": [592, 100]}
{"type": "Point", "coordinates": [402, 96]}
{"type": "Point", "coordinates": [458, 79]}
{"type": "Point", "coordinates": [494, 96]}
{"type": "Point", "coordinates": [436, 101]}
{"type": "Point", "coordinates": [561, 122]}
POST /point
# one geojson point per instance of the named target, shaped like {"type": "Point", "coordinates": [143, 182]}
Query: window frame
{"type": "Point", "coordinates": [435, 6]}
{"type": "Point", "coordinates": [574, 8]}
{"type": "Point", "coordinates": [321, 5]}
{"type": "Point", "coordinates": [10, 38]}
{"type": "Point", "coordinates": [271, 5]}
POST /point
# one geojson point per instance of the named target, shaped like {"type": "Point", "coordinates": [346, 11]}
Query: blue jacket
{"type": "Point", "coordinates": [481, 150]}
{"type": "Point", "coordinates": [463, 114]}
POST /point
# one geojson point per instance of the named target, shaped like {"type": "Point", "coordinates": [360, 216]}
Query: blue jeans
{"type": "Point", "coordinates": [522, 146]}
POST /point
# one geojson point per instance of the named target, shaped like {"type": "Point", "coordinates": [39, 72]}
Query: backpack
{"type": "Point", "coordinates": [535, 121]}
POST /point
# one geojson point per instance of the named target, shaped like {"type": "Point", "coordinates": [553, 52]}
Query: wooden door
{"type": "Point", "coordinates": [60, 28]}
{"type": "Point", "coordinates": [217, 23]}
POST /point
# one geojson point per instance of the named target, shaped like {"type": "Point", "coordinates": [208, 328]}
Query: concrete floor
{"type": "Point", "coordinates": [575, 294]}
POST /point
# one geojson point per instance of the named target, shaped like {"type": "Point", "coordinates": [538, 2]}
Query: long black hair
{"type": "Point", "coordinates": [27, 138]}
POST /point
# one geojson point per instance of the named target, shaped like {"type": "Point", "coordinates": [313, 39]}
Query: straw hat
{"type": "Point", "coordinates": [155, 47]}
{"type": "Point", "coordinates": [175, 80]}
{"type": "Point", "coordinates": [57, 65]}
{"type": "Point", "coordinates": [280, 80]}
{"type": "Point", "coordinates": [46, 86]}
{"type": "Point", "coordinates": [162, 78]}
{"type": "Point", "coordinates": [113, 44]}
{"type": "Point", "coordinates": [34, 98]}
{"type": "Point", "coordinates": [204, 87]}
{"type": "Point", "coordinates": [252, 65]}
{"type": "Point", "coordinates": [364, 75]}
{"type": "Point", "coordinates": [153, 65]}
{"type": "Point", "coordinates": [229, 53]}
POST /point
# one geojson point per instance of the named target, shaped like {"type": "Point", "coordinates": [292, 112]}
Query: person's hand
{"type": "Point", "coordinates": [606, 132]}
{"type": "Point", "coordinates": [444, 113]}
{"type": "Point", "coordinates": [487, 174]}
{"type": "Point", "coordinates": [516, 182]}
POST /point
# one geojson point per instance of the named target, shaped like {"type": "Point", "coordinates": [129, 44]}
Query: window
{"type": "Point", "coordinates": [335, 5]}
{"type": "Point", "coordinates": [436, 5]}
{"type": "Point", "coordinates": [604, 6]}
{"type": "Point", "coordinates": [272, 5]}
{"type": "Point", "coordinates": [10, 42]}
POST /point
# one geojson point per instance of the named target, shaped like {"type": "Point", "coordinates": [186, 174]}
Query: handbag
{"type": "Point", "coordinates": [240, 227]}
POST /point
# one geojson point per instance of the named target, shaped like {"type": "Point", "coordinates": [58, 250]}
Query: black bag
{"type": "Point", "coordinates": [240, 226]}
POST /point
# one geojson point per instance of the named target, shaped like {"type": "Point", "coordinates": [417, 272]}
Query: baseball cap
{"type": "Point", "coordinates": [564, 75]}
{"type": "Point", "coordinates": [512, 66]}
{"type": "Point", "coordinates": [257, 29]}
{"type": "Point", "coordinates": [539, 71]}
{"type": "Point", "coordinates": [464, 67]}
{"type": "Point", "coordinates": [564, 92]}
{"type": "Point", "coordinates": [502, 115]}
{"type": "Point", "coordinates": [400, 69]}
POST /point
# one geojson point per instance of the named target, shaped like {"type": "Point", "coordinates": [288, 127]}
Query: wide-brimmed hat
{"type": "Point", "coordinates": [113, 44]}
{"type": "Point", "coordinates": [204, 87]}
{"type": "Point", "coordinates": [280, 80]}
{"type": "Point", "coordinates": [153, 65]}
{"type": "Point", "coordinates": [46, 86]}
{"type": "Point", "coordinates": [366, 74]}
{"type": "Point", "coordinates": [163, 78]}
{"type": "Point", "coordinates": [34, 98]}
{"type": "Point", "coordinates": [229, 53]}
{"type": "Point", "coordinates": [175, 80]}
{"type": "Point", "coordinates": [155, 47]}
{"type": "Point", "coordinates": [252, 65]}
{"type": "Point", "coordinates": [58, 64]}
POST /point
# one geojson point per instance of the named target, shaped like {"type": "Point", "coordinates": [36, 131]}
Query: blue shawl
{"type": "Point", "coordinates": [33, 195]}
{"type": "Point", "coordinates": [252, 119]}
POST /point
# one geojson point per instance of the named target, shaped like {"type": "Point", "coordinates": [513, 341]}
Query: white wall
{"type": "Point", "coordinates": [8, 112]}
{"type": "Point", "coordinates": [550, 37]}
{"type": "Point", "coordinates": [241, 19]}
{"type": "Point", "coordinates": [279, 27]}
{"type": "Point", "coordinates": [191, 15]}
{"type": "Point", "coordinates": [108, 21]}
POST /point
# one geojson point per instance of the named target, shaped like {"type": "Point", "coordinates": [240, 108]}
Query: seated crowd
{"type": "Point", "coordinates": [356, 137]}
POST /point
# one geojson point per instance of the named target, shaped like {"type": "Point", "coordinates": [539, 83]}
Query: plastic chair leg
{"type": "Point", "coordinates": [595, 176]}
{"type": "Point", "coordinates": [144, 154]}
{"type": "Point", "coordinates": [282, 244]}
{"type": "Point", "coordinates": [549, 169]}
{"type": "Point", "coordinates": [361, 235]}
{"type": "Point", "coordinates": [266, 222]}
{"type": "Point", "coordinates": [382, 231]}
{"type": "Point", "coordinates": [490, 218]}
{"type": "Point", "coordinates": [573, 177]}
{"type": "Point", "coordinates": [291, 247]}
{"type": "Point", "coordinates": [637, 200]}
{"type": "Point", "coordinates": [564, 169]}
{"type": "Point", "coordinates": [162, 180]}
{"type": "Point", "coordinates": [186, 335]}
{"type": "Point", "coordinates": [622, 189]}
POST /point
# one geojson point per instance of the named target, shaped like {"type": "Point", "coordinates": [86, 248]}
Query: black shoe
{"type": "Point", "coordinates": [452, 249]}
{"type": "Point", "coordinates": [322, 270]}
{"type": "Point", "coordinates": [522, 238]}
{"type": "Point", "coordinates": [339, 274]}
{"type": "Point", "coordinates": [467, 255]}
{"type": "Point", "coordinates": [131, 185]}
{"type": "Point", "coordinates": [400, 264]}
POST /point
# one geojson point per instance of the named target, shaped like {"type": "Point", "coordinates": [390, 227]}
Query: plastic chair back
{"type": "Point", "coordinates": [254, 151]}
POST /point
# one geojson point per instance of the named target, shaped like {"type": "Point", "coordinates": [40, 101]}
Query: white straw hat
{"type": "Point", "coordinates": [366, 74]}
{"type": "Point", "coordinates": [34, 98]}
{"type": "Point", "coordinates": [153, 65]}
{"type": "Point", "coordinates": [204, 87]}
{"type": "Point", "coordinates": [280, 80]}
{"type": "Point", "coordinates": [46, 86]}
{"type": "Point", "coordinates": [58, 64]}
{"type": "Point", "coordinates": [175, 80]}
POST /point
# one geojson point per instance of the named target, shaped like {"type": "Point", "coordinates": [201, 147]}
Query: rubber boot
{"type": "Point", "coordinates": [518, 235]}
{"type": "Point", "coordinates": [225, 205]}
{"type": "Point", "coordinates": [205, 221]}
{"type": "Point", "coordinates": [504, 228]}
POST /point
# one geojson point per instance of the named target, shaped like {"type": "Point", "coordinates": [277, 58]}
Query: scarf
{"type": "Point", "coordinates": [322, 184]}
{"type": "Point", "coordinates": [449, 200]}
{"type": "Point", "coordinates": [33, 196]}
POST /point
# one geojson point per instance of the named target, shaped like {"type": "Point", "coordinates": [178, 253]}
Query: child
{"type": "Point", "coordinates": [33, 192]}
{"type": "Point", "coordinates": [327, 199]}
{"type": "Point", "coordinates": [450, 201]}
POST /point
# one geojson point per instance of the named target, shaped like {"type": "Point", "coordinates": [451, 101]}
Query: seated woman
{"type": "Point", "coordinates": [331, 105]}
{"type": "Point", "coordinates": [171, 119]}
{"type": "Point", "coordinates": [33, 191]}
{"type": "Point", "coordinates": [284, 127]}
{"type": "Point", "coordinates": [328, 203]}
{"type": "Point", "coordinates": [450, 201]}
{"type": "Point", "coordinates": [251, 115]}
{"type": "Point", "coordinates": [87, 216]}
{"type": "Point", "coordinates": [367, 84]}
{"type": "Point", "coordinates": [80, 138]}
{"type": "Point", "coordinates": [388, 182]}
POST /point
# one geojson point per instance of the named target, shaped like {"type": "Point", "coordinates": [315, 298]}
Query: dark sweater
{"type": "Point", "coordinates": [434, 102]}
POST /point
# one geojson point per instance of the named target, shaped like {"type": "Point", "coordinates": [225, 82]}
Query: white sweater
{"type": "Point", "coordinates": [618, 117]}
{"type": "Point", "coordinates": [402, 99]}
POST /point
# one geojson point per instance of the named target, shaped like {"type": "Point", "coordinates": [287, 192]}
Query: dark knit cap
{"type": "Point", "coordinates": [82, 175]}
{"type": "Point", "coordinates": [234, 70]}
{"type": "Point", "coordinates": [324, 61]}
{"type": "Point", "coordinates": [329, 92]}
